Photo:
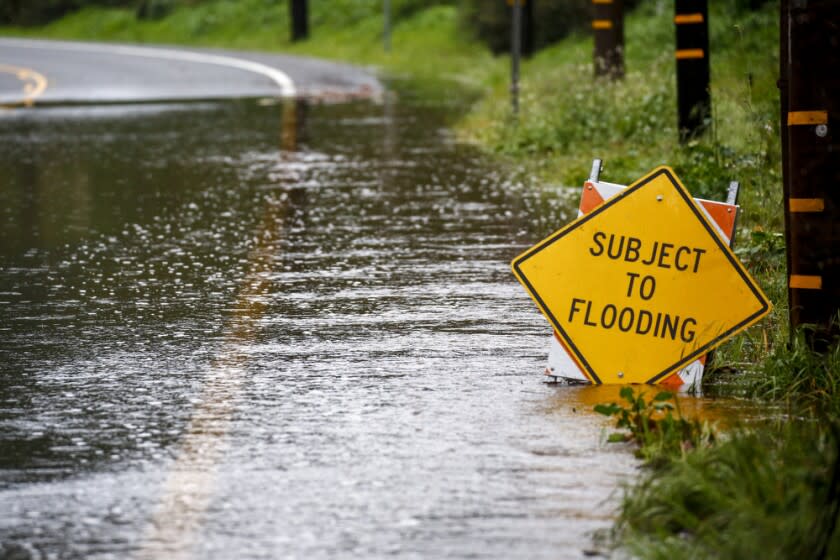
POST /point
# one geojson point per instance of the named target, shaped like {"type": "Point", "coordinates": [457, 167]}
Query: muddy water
{"type": "Point", "coordinates": [250, 330]}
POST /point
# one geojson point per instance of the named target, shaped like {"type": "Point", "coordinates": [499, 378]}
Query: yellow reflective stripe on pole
{"type": "Point", "coordinates": [684, 54]}
{"type": "Point", "coordinates": [806, 204]}
{"type": "Point", "coordinates": [681, 19]}
{"type": "Point", "coordinates": [807, 117]}
{"type": "Point", "coordinates": [804, 282]}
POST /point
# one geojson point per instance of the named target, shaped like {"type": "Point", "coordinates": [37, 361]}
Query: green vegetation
{"type": "Point", "coordinates": [772, 486]}
{"type": "Point", "coordinates": [774, 489]}
{"type": "Point", "coordinates": [632, 123]}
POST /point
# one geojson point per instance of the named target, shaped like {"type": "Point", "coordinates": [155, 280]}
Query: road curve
{"type": "Point", "coordinates": [41, 72]}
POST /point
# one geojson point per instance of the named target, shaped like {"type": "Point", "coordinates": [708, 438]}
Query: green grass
{"type": "Point", "coordinates": [805, 380]}
{"type": "Point", "coordinates": [770, 491]}
{"type": "Point", "coordinates": [632, 123]}
{"type": "Point", "coordinates": [773, 486]}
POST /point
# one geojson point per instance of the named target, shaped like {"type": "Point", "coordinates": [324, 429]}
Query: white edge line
{"type": "Point", "coordinates": [283, 81]}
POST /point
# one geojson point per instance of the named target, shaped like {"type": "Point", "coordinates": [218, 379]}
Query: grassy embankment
{"type": "Point", "coordinates": [772, 487]}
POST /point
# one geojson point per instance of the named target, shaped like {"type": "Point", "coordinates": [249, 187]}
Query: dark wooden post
{"type": "Point", "coordinates": [528, 38]}
{"type": "Point", "coordinates": [515, 52]}
{"type": "Point", "coordinates": [694, 98]}
{"type": "Point", "coordinates": [810, 102]}
{"type": "Point", "coordinates": [386, 25]}
{"type": "Point", "coordinates": [300, 19]}
{"type": "Point", "coordinates": [608, 28]}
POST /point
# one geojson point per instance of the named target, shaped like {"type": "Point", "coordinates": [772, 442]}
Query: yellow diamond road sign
{"type": "Point", "coordinates": [642, 285]}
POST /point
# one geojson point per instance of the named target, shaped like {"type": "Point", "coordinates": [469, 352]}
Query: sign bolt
{"type": "Point", "coordinates": [620, 374]}
{"type": "Point", "coordinates": [821, 130]}
{"type": "Point", "coordinates": [659, 198]}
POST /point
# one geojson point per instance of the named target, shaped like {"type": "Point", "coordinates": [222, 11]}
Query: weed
{"type": "Point", "coordinates": [800, 376]}
{"type": "Point", "coordinates": [653, 425]}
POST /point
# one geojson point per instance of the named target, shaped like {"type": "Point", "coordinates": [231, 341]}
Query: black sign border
{"type": "Point", "coordinates": [678, 186]}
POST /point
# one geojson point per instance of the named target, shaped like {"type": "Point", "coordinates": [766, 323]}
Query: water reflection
{"type": "Point", "coordinates": [52, 191]}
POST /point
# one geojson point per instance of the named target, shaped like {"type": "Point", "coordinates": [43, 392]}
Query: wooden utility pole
{"type": "Point", "coordinates": [300, 19]}
{"type": "Point", "coordinates": [694, 98]}
{"type": "Point", "coordinates": [386, 25]}
{"type": "Point", "coordinates": [810, 115]}
{"type": "Point", "coordinates": [515, 53]}
{"type": "Point", "coordinates": [528, 37]}
{"type": "Point", "coordinates": [608, 27]}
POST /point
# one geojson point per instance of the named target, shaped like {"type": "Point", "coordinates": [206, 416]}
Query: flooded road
{"type": "Point", "coordinates": [251, 330]}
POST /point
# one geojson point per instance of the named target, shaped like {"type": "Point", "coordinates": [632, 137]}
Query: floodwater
{"type": "Point", "coordinates": [258, 330]}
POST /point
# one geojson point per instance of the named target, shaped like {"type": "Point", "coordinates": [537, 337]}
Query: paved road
{"type": "Point", "coordinates": [35, 72]}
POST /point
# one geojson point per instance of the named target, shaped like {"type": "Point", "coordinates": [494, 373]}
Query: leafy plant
{"type": "Point", "coordinates": [654, 427]}
{"type": "Point", "coordinates": [764, 250]}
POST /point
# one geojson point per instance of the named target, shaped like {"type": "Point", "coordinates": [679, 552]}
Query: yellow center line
{"type": "Point", "coordinates": [35, 84]}
{"type": "Point", "coordinates": [192, 482]}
